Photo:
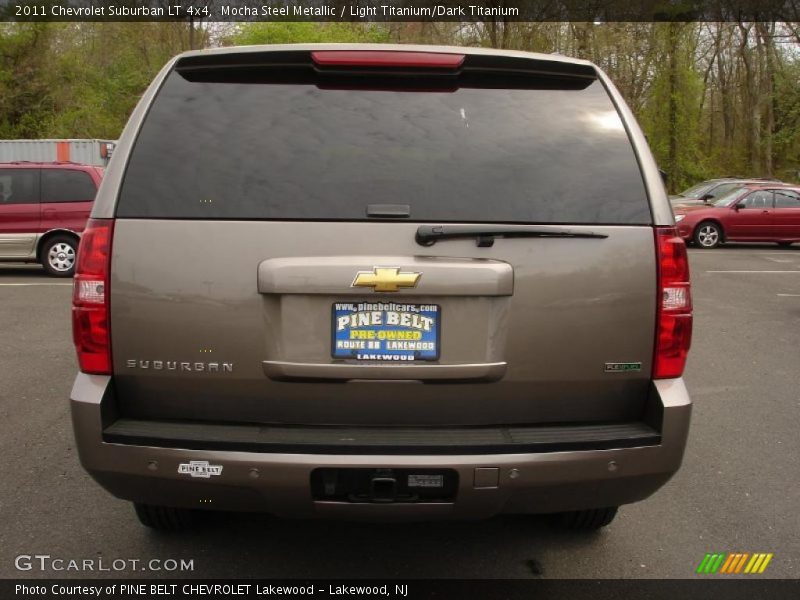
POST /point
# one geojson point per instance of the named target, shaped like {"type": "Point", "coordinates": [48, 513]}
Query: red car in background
{"type": "Point", "coordinates": [764, 212]}
{"type": "Point", "coordinates": [43, 210]}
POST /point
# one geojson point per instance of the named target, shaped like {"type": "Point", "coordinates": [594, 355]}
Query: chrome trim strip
{"type": "Point", "coordinates": [279, 370]}
{"type": "Point", "coordinates": [334, 275]}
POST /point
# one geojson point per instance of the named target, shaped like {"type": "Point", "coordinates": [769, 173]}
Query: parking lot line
{"type": "Point", "coordinates": [30, 284]}
{"type": "Point", "coordinates": [747, 272]}
{"type": "Point", "coordinates": [789, 295]}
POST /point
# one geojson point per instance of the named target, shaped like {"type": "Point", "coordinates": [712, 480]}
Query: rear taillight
{"type": "Point", "coordinates": [90, 314]}
{"type": "Point", "coordinates": [674, 313]}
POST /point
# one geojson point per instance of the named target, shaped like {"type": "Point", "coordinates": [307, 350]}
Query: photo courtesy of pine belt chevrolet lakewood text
{"type": "Point", "coordinates": [381, 282]}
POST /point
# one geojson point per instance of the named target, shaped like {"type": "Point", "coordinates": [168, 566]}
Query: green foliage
{"type": "Point", "coordinates": [787, 121]}
{"type": "Point", "coordinates": [103, 73]}
{"type": "Point", "coordinates": [23, 90]}
{"type": "Point", "coordinates": [78, 80]}
{"type": "Point", "coordinates": [306, 32]}
{"type": "Point", "coordinates": [82, 80]}
{"type": "Point", "coordinates": [670, 117]}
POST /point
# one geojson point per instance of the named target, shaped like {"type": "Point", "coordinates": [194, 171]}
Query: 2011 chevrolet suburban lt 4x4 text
{"type": "Point", "coordinates": [381, 282]}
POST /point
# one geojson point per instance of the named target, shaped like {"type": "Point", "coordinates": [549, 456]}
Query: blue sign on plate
{"type": "Point", "coordinates": [385, 331]}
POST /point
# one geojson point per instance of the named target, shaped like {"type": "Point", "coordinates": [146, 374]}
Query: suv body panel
{"type": "Point", "coordinates": [564, 325]}
{"type": "Point", "coordinates": [546, 319]}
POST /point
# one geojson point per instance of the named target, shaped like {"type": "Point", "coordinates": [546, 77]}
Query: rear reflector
{"type": "Point", "coordinates": [90, 315]}
{"type": "Point", "coordinates": [674, 311]}
{"type": "Point", "coordinates": [388, 59]}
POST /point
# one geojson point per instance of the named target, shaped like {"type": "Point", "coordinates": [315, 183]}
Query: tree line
{"type": "Point", "coordinates": [714, 99]}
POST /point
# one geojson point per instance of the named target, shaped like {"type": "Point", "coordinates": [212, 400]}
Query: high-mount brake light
{"type": "Point", "coordinates": [387, 59]}
{"type": "Point", "coordinates": [90, 298]}
{"type": "Point", "coordinates": [674, 311]}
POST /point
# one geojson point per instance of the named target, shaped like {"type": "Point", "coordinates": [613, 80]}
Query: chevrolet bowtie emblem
{"type": "Point", "coordinates": [385, 279]}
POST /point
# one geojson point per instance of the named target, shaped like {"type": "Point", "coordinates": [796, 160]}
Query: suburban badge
{"type": "Point", "coordinates": [182, 366]}
{"type": "Point", "coordinates": [623, 367]}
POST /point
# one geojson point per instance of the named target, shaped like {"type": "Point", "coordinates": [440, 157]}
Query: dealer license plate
{"type": "Point", "coordinates": [385, 331]}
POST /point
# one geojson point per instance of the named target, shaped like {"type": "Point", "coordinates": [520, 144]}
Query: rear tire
{"type": "Point", "coordinates": [708, 235]}
{"type": "Point", "coordinates": [590, 519]}
{"type": "Point", "coordinates": [59, 254]}
{"type": "Point", "coordinates": [164, 518]}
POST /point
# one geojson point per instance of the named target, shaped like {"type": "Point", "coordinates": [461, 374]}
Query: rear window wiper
{"type": "Point", "coordinates": [428, 235]}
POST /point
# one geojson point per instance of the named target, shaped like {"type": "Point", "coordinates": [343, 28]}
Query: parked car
{"type": "Point", "coordinates": [43, 210]}
{"type": "Point", "coordinates": [382, 282]}
{"type": "Point", "coordinates": [709, 191]}
{"type": "Point", "coordinates": [753, 213]}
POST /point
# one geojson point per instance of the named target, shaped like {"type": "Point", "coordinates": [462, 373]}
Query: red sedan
{"type": "Point", "coordinates": [752, 213]}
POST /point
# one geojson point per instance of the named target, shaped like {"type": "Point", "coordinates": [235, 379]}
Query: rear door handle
{"type": "Point", "coordinates": [288, 371]}
{"type": "Point", "coordinates": [334, 275]}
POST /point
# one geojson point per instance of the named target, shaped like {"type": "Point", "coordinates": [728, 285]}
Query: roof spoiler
{"type": "Point", "coordinates": [474, 63]}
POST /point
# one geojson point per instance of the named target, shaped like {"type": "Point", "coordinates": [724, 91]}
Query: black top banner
{"type": "Point", "coordinates": [366, 11]}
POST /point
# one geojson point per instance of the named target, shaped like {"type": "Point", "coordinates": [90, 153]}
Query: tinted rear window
{"type": "Point", "coordinates": [67, 185]}
{"type": "Point", "coordinates": [261, 149]}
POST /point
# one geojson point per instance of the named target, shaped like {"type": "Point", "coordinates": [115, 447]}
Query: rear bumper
{"type": "Point", "coordinates": [279, 483]}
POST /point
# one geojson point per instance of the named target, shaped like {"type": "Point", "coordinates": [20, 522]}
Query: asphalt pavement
{"type": "Point", "coordinates": [737, 491]}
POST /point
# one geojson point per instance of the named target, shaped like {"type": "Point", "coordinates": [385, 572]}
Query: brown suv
{"type": "Point", "coordinates": [382, 282]}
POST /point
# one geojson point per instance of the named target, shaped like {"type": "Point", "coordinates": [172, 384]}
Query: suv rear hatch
{"type": "Point", "coordinates": [278, 206]}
